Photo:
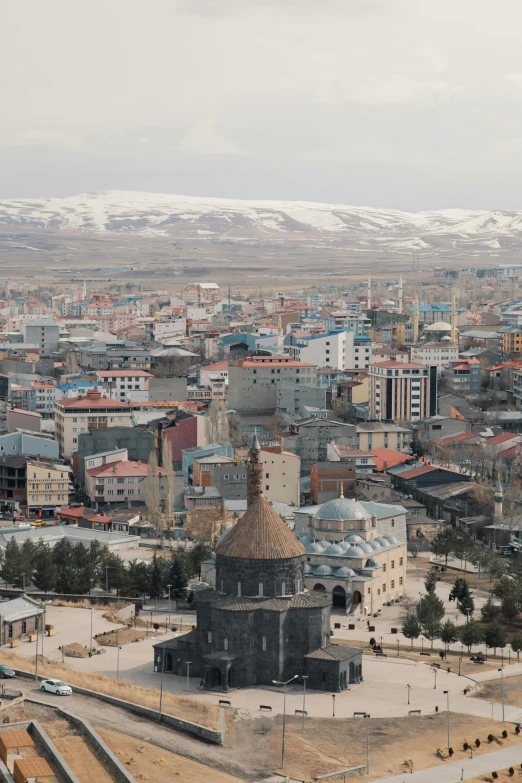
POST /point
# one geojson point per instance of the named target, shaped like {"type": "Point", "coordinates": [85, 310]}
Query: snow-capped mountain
{"type": "Point", "coordinates": [361, 228]}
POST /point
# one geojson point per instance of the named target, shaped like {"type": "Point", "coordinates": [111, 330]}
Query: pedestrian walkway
{"type": "Point", "coordinates": [514, 670]}
{"type": "Point", "coordinates": [462, 770]}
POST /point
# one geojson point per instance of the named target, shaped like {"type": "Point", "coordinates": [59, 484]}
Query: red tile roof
{"type": "Point", "coordinates": [123, 468]}
{"type": "Point", "coordinates": [385, 458]}
{"type": "Point", "coordinates": [504, 436]}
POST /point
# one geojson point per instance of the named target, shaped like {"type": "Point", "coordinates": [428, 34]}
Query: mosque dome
{"type": "Point", "coordinates": [342, 510]}
{"type": "Point", "coordinates": [323, 570]}
{"type": "Point", "coordinates": [365, 547]}
{"type": "Point", "coordinates": [334, 549]}
{"type": "Point", "coordinates": [314, 549]}
{"type": "Point", "coordinates": [391, 539]}
{"type": "Point", "coordinates": [345, 572]}
{"type": "Point", "coordinates": [324, 543]}
{"type": "Point", "coordinates": [374, 545]}
{"type": "Point", "coordinates": [353, 538]}
{"type": "Point", "coordinates": [308, 568]}
{"type": "Point", "coordinates": [354, 551]}
{"type": "Point", "coordinates": [382, 541]}
{"type": "Point", "coordinates": [371, 563]}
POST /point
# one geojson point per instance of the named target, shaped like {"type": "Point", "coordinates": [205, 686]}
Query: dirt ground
{"type": "Point", "coordinates": [502, 776]}
{"type": "Point", "coordinates": [120, 636]}
{"type": "Point", "coordinates": [76, 752]}
{"type": "Point", "coordinates": [492, 691]}
{"type": "Point", "coordinates": [149, 763]}
{"type": "Point", "coordinates": [329, 745]}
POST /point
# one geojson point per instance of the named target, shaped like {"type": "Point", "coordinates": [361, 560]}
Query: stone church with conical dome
{"type": "Point", "coordinates": [260, 623]}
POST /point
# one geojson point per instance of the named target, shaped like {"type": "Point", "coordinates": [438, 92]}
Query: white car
{"type": "Point", "coordinates": [56, 686]}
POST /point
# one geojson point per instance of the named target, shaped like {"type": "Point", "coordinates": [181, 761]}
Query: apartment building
{"type": "Point", "coordinates": [402, 392]}
{"type": "Point", "coordinates": [252, 382]}
{"type": "Point", "coordinates": [281, 475]}
{"type": "Point", "coordinates": [47, 489]}
{"type": "Point", "coordinates": [464, 375]}
{"type": "Point", "coordinates": [440, 354]}
{"type": "Point", "coordinates": [125, 385]}
{"type": "Point", "coordinates": [45, 395]}
{"type": "Point", "coordinates": [42, 332]}
{"type": "Point", "coordinates": [119, 482]}
{"type": "Point", "coordinates": [331, 349]}
{"type": "Point", "coordinates": [83, 414]}
{"type": "Point", "coordinates": [511, 341]}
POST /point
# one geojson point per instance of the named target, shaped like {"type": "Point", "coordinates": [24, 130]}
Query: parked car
{"type": "Point", "coordinates": [6, 672]}
{"type": "Point", "coordinates": [56, 686]}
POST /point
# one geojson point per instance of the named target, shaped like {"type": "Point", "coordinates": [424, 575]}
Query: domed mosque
{"type": "Point", "coordinates": [261, 623]}
{"type": "Point", "coordinates": [358, 555]}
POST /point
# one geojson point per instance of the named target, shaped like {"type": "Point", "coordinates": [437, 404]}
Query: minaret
{"type": "Point", "coordinates": [369, 292]}
{"type": "Point", "coordinates": [85, 289]}
{"type": "Point", "coordinates": [254, 472]}
{"type": "Point", "coordinates": [416, 321]}
{"type": "Point", "coordinates": [499, 498]}
{"type": "Point", "coordinates": [453, 320]}
{"type": "Point", "coordinates": [400, 295]}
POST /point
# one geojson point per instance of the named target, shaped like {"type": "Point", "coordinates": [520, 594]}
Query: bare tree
{"type": "Point", "coordinates": [206, 524]}
{"type": "Point", "coordinates": [216, 423]}
{"type": "Point", "coordinates": [166, 459]}
{"type": "Point", "coordinates": [71, 363]}
{"type": "Point", "coordinates": [152, 493]}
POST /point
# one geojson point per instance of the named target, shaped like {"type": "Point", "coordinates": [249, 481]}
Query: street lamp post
{"type": "Point", "coordinates": [161, 680]}
{"type": "Point", "coordinates": [188, 675]}
{"type": "Point", "coordinates": [169, 586]}
{"type": "Point", "coordinates": [367, 719]}
{"type": "Point", "coordinates": [409, 689]}
{"type": "Point", "coordinates": [92, 610]}
{"type": "Point", "coordinates": [449, 728]}
{"type": "Point", "coordinates": [333, 705]}
{"type": "Point", "coordinates": [435, 684]}
{"type": "Point", "coordinates": [305, 677]}
{"type": "Point", "coordinates": [283, 685]}
{"type": "Point", "coordinates": [502, 678]}
{"type": "Point", "coordinates": [118, 664]}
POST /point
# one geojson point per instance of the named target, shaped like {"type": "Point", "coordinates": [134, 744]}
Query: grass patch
{"type": "Point", "coordinates": [177, 706]}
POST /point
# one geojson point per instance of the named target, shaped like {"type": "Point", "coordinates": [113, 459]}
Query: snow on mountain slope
{"type": "Point", "coordinates": [159, 213]}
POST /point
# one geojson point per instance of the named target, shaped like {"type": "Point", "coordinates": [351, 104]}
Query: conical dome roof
{"type": "Point", "coordinates": [260, 534]}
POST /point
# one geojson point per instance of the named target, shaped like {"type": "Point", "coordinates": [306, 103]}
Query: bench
{"type": "Point", "coordinates": [380, 655]}
{"type": "Point", "coordinates": [359, 714]}
{"type": "Point", "coordinates": [225, 703]}
{"type": "Point", "coordinates": [265, 707]}
{"type": "Point", "coordinates": [424, 653]}
{"type": "Point", "coordinates": [414, 712]}
{"type": "Point", "coordinates": [301, 712]}
{"type": "Point", "coordinates": [436, 665]}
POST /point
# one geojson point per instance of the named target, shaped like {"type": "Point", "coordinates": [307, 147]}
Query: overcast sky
{"type": "Point", "coordinates": [403, 103]}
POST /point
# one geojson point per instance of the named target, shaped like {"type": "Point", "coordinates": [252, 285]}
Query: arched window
{"type": "Point", "coordinates": [225, 644]}
{"type": "Point", "coordinates": [239, 589]}
{"type": "Point", "coordinates": [209, 637]}
{"type": "Point", "coordinates": [264, 643]}
{"type": "Point", "coordinates": [283, 588]}
{"type": "Point", "coordinates": [260, 588]}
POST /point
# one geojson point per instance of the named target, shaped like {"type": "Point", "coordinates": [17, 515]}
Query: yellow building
{"type": "Point", "coordinates": [47, 488]}
{"type": "Point", "coordinates": [511, 341]}
{"type": "Point", "coordinates": [83, 414]}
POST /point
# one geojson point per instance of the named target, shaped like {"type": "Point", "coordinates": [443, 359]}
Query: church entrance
{"type": "Point", "coordinates": [357, 598]}
{"type": "Point", "coordinates": [320, 588]}
{"type": "Point", "coordinates": [339, 597]}
{"type": "Point", "coordinates": [232, 677]}
{"type": "Point", "coordinates": [214, 678]}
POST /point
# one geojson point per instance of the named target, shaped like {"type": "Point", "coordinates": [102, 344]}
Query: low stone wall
{"type": "Point", "coordinates": [40, 737]}
{"type": "Point", "coordinates": [179, 724]}
{"type": "Point", "coordinates": [13, 592]}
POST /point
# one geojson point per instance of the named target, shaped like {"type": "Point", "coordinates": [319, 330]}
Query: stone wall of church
{"type": "Point", "coordinates": [270, 578]}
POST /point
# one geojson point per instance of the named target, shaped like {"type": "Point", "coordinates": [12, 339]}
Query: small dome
{"type": "Point", "coordinates": [345, 572]}
{"type": "Point", "coordinates": [354, 551]}
{"type": "Point", "coordinates": [382, 541]}
{"type": "Point", "coordinates": [342, 509]}
{"type": "Point", "coordinates": [334, 549]}
{"type": "Point", "coordinates": [353, 538]}
{"type": "Point", "coordinates": [323, 570]}
{"type": "Point", "coordinates": [391, 539]}
{"type": "Point", "coordinates": [374, 545]}
{"type": "Point", "coordinates": [324, 543]}
{"type": "Point", "coordinates": [308, 568]}
{"type": "Point", "coordinates": [314, 549]}
{"type": "Point", "coordinates": [370, 563]}
{"type": "Point", "coordinates": [365, 547]}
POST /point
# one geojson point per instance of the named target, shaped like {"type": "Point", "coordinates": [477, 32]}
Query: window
{"type": "Point", "coordinates": [130, 480]}
{"type": "Point", "coordinates": [384, 568]}
{"type": "Point", "coordinates": [110, 481]}
{"type": "Point", "coordinates": [267, 487]}
{"type": "Point", "coordinates": [392, 584]}
{"type": "Point", "coordinates": [239, 589]}
{"type": "Point", "coordinates": [263, 643]}
{"type": "Point", "coordinates": [324, 676]}
{"type": "Point", "coordinates": [283, 588]}
{"type": "Point", "coordinates": [24, 626]}
{"type": "Point", "coordinates": [75, 440]}
{"type": "Point", "coordinates": [130, 492]}
{"type": "Point", "coordinates": [400, 580]}
{"type": "Point", "coordinates": [10, 631]}
{"type": "Point", "coordinates": [260, 588]}
{"type": "Point", "coordinates": [121, 481]}
{"type": "Point", "coordinates": [110, 492]}
{"type": "Point", "coordinates": [225, 644]}
{"type": "Point", "coordinates": [393, 523]}
{"type": "Point", "coordinates": [400, 561]}
{"type": "Point", "coordinates": [120, 491]}
{"type": "Point", "coordinates": [209, 637]}
{"type": "Point", "coordinates": [393, 563]}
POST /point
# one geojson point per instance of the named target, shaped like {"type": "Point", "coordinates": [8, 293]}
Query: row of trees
{"type": "Point", "coordinates": [427, 617]}
{"type": "Point", "coordinates": [76, 569]}
{"type": "Point", "coordinates": [447, 543]}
